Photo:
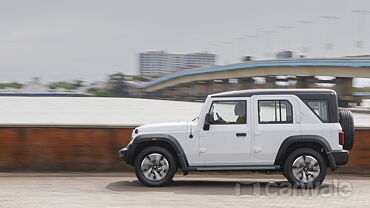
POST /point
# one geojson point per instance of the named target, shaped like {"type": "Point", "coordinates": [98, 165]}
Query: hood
{"type": "Point", "coordinates": [164, 127]}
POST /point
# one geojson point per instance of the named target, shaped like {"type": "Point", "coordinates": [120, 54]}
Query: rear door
{"type": "Point", "coordinates": [275, 119]}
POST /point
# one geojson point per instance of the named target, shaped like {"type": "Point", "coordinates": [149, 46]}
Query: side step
{"type": "Point", "coordinates": [259, 167]}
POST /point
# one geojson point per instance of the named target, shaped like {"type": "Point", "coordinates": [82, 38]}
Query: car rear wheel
{"type": "Point", "coordinates": [305, 168]}
{"type": "Point", "coordinates": [155, 166]}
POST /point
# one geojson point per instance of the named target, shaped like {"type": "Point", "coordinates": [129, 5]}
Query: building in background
{"type": "Point", "coordinates": [160, 62]}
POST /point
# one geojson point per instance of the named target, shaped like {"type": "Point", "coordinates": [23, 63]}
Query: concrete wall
{"type": "Point", "coordinates": [95, 149]}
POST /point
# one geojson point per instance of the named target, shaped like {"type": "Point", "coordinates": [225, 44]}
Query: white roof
{"type": "Point", "coordinates": [274, 90]}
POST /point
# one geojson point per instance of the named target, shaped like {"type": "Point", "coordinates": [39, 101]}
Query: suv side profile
{"type": "Point", "coordinates": [299, 132]}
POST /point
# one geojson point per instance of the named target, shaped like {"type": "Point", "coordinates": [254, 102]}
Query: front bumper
{"type": "Point", "coordinates": [126, 153]}
{"type": "Point", "coordinates": [123, 154]}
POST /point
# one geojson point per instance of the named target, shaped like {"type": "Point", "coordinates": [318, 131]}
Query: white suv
{"type": "Point", "coordinates": [299, 132]}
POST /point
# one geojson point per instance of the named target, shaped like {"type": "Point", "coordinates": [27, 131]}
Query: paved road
{"type": "Point", "coordinates": [196, 190]}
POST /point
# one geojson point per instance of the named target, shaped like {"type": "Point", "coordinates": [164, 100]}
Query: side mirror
{"type": "Point", "coordinates": [208, 121]}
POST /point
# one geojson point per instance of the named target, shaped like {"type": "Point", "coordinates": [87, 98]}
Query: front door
{"type": "Point", "coordinates": [228, 140]}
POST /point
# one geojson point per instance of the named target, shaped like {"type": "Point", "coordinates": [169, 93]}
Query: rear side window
{"type": "Point", "coordinates": [274, 111]}
{"type": "Point", "coordinates": [320, 107]}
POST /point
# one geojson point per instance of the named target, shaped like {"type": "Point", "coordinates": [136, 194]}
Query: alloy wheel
{"type": "Point", "coordinates": [154, 167]}
{"type": "Point", "coordinates": [306, 169]}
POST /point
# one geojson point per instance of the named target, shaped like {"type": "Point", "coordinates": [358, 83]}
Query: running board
{"type": "Point", "coordinates": [259, 167]}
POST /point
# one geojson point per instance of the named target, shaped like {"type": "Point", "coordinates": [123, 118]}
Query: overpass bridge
{"type": "Point", "coordinates": [197, 83]}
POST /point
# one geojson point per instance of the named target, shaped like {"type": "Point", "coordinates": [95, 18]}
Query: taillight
{"type": "Point", "coordinates": [341, 138]}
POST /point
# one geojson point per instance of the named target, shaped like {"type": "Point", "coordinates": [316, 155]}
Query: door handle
{"type": "Point", "coordinates": [241, 134]}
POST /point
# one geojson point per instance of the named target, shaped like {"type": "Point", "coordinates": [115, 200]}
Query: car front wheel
{"type": "Point", "coordinates": [155, 166]}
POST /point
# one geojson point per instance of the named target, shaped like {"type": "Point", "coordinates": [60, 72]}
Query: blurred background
{"type": "Point", "coordinates": [183, 49]}
{"type": "Point", "coordinates": [77, 76]}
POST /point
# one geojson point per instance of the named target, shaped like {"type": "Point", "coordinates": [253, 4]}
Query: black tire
{"type": "Point", "coordinates": [346, 121]}
{"type": "Point", "coordinates": [170, 173]}
{"type": "Point", "coordinates": [299, 153]}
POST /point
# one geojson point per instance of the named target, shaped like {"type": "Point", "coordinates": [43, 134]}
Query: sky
{"type": "Point", "coordinates": [89, 39]}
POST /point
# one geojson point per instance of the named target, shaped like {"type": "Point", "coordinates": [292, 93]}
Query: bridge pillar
{"type": "Point", "coordinates": [172, 92]}
{"type": "Point", "coordinates": [270, 82]}
{"type": "Point", "coordinates": [179, 92]}
{"type": "Point", "coordinates": [197, 90]}
{"type": "Point", "coordinates": [186, 92]}
{"type": "Point", "coordinates": [343, 86]}
{"type": "Point", "coordinates": [345, 90]}
{"type": "Point", "coordinates": [193, 89]}
{"type": "Point", "coordinates": [218, 86]}
{"type": "Point", "coordinates": [305, 82]}
{"type": "Point", "coordinates": [158, 93]}
{"type": "Point", "coordinates": [164, 93]}
{"type": "Point", "coordinates": [221, 85]}
{"type": "Point", "coordinates": [226, 85]}
{"type": "Point", "coordinates": [246, 83]}
{"type": "Point", "coordinates": [209, 86]}
{"type": "Point", "coordinates": [202, 88]}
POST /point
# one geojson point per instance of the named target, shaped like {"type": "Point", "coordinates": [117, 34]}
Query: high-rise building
{"type": "Point", "coordinates": [160, 62]}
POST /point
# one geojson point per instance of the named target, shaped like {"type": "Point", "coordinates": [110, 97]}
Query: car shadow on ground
{"type": "Point", "coordinates": [245, 188]}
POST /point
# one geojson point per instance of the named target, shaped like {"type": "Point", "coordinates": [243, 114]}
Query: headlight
{"type": "Point", "coordinates": [133, 134]}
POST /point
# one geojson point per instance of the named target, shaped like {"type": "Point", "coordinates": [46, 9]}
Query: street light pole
{"type": "Point", "coordinates": [268, 44]}
{"type": "Point", "coordinates": [240, 47]}
{"type": "Point", "coordinates": [226, 59]}
{"type": "Point", "coordinates": [285, 37]}
{"type": "Point", "coordinates": [331, 33]}
{"type": "Point", "coordinates": [306, 36]}
{"type": "Point", "coordinates": [250, 45]}
{"type": "Point", "coordinates": [217, 51]}
{"type": "Point", "coordinates": [359, 43]}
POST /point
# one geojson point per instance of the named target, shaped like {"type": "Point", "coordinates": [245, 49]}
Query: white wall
{"type": "Point", "coordinates": [93, 111]}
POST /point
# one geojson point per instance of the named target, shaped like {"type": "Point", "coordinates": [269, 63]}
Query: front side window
{"type": "Point", "coordinates": [275, 111]}
{"type": "Point", "coordinates": [229, 112]}
{"type": "Point", "coordinates": [320, 107]}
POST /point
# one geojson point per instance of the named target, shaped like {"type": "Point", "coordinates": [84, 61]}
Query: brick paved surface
{"type": "Point", "coordinates": [196, 190]}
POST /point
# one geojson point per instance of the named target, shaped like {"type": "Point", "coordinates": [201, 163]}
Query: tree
{"type": "Point", "coordinates": [117, 87]}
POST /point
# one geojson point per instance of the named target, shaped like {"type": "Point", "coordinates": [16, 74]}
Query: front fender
{"type": "Point", "coordinates": [170, 140]}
